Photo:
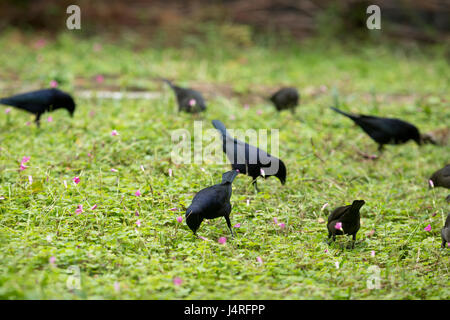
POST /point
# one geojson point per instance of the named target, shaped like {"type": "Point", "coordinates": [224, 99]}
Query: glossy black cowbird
{"type": "Point", "coordinates": [250, 160]}
{"type": "Point", "coordinates": [441, 178]}
{"type": "Point", "coordinates": [41, 101]}
{"type": "Point", "coordinates": [211, 203]}
{"type": "Point", "coordinates": [189, 100]}
{"type": "Point", "coordinates": [348, 217]}
{"type": "Point", "coordinates": [285, 98]}
{"type": "Point", "coordinates": [445, 233]}
{"type": "Point", "coordinates": [385, 130]}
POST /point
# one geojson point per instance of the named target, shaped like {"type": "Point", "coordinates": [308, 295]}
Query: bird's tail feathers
{"type": "Point", "coordinates": [351, 116]}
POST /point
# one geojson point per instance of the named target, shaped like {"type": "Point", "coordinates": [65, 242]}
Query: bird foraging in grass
{"type": "Point", "coordinates": [41, 101]}
{"type": "Point", "coordinates": [385, 130]}
{"type": "Point", "coordinates": [188, 100]}
{"type": "Point", "coordinates": [250, 160]}
{"type": "Point", "coordinates": [445, 233]}
{"type": "Point", "coordinates": [211, 203]}
{"type": "Point", "coordinates": [345, 220]}
{"type": "Point", "coordinates": [285, 99]}
{"type": "Point", "coordinates": [441, 178]}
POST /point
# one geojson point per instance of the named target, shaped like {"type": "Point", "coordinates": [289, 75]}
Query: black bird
{"type": "Point", "coordinates": [250, 160]}
{"type": "Point", "coordinates": [349, 217]}
{"type": "Point", "coordinates": [189, 100]}
{"type": "Point", "coordinates": [385, 130]}
{"type": "Point", "coordinates": [211, 203]}
{"type": "Point", "coordinates": [445, 232]}
{"type": "Point", "coordinates": [285, 98]}
{"type": "Point", "coordinates": [41, 101]}
{"type": "Point", "coordinates": [441, 178]}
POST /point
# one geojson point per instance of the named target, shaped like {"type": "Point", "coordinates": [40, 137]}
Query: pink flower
{"type": "Point", "coordinates": [99, 78]}
{"type": "Point", "coordinates": [372, 253]}
{"type": "Point", "coordinates": [324, 206]}
{"type": "Point", "coordinates": [173, 209]}
{"type": "Point", "coordinates": [52, 261]}
{"type": "Point", "coordinates": [275, 220]}
{"type": "Point", "coordinates": [431, 183]}
{"type": "Point", "coordinates": [338, 226]}
{"type": "Point", "coordinates": [177, 281]}
{"type": "Point", "coordinates": [237, 225]}
{"type": "Point", "coordinates": [76, 180]}
{"type": "Point", "coordinates": [259, 259]}
{"type": "Point", "coordinates": [203, 169]}
{"type": "Point", "coordinates": [138, 223]}
{"type": "Point", "coordinates": [65, 184]}
{"type": "Point", "coordinates": [40, 43]}
{"type": "Point", "coordinates": [53, 83]}
{"type": "Point", "coordinates": [138, 193]}
{"type": "Point", "coordinates": [326, 251]}
{"type": "Point", "coordinates": [22, 167]}
{"type": "Point", "coordinates": [203, 238]}
{"type": "Point", "coordinates": [49, 119]}
{"type": "Point", "coordinates": [222, 240]}
{"type": "Point", "coordinates": [114, 170]}
{"type": "Point", "coordinates": [136, 213]}
{"type": "Point", "coordinates": [262, 172]}
{"type": "Point", "coordinates": [79, 209]}
{"type": "Point", "coordinates": [25, 159]}
{"type": "Point", "coordinates": [91, 113]}
{"type": "Point", "coordinates": [337, 264]}
{"type": "Point", "coordinates": [282, 225]}
{"type": "Point", "coordinates": [192, 102]}
{"type": "Point", "coordinates": [427, 228]}
{"type": "Point", "coordinates": [142, 168]}
{"type": "Point", "coordinates": [28, 123]}
{"type": "Point", "coordinates": [114, 133]}
{"type": "Point", "coordinates": [30, 179]}
{"type": "Point", "coordinates": [170, 172]}
{"type": "Point", "coordinates": [116, 286]}
{"type": "Point", "coordinates": [259, 112]}
{"type": "Point", "coordinates": [246, 106]}
{"type": "Point", "coordinates": [7, 110]}
{"type": "Point", "coordinates": [94, 207]}
{"type": "Point", "coordinates": [180, 219]}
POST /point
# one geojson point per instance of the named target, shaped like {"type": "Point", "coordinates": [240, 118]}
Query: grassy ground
{"type": "Point", "coordinates": [43, 240]}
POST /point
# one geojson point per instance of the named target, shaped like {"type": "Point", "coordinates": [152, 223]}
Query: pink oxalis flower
{"type": "Point", "coordinates": [94, 207]}
{"type": "Point", "coordinates": [114, 133]}
{"type": "Point", "coordinates": [372, 253]}
{"type": "Point", "coordinates": [79, 209]}
{"type": "Point", "coordinates": [192, 102]}
{"type": "Point", "coordinates": [114, 170]}
{"type": "Point", "coordinates": [138, 223]}
{"type": "Point", "coordinates": [275, 220]}
{"type": "Point", "coordinates": [50, 119]}
{"type": "Point", "coordinates": [237, 225]}
{"type": "Point", "coordinates": [431, 183]}
{"type": "Point", "coordinates": [76, 180]}
{"type": "Point", "coordinates": [324, 206]}
{"type": "Point", "coordinates": [259, 259]}
{"type": "Point", "coordinates": [7, 110]}
{"type": "Point", "coordinates": [30, 179]}
{"type": "Point", "coordinates": [222, 240]}
{"type": "Point", "coordinates": [338, 226]}
{"type": "Point", "coordinates": [25, 159]}
{"type": "Point", "coordinates": [52, 261]}
{"type": "Point", "coordinates": [177, 281]}
{"type": "Point", "coordinates": [138, 193]}
{"type": "Point", "coordinates": [170, 172]}
{"type": "Point", "coordinates": [22, 167]}
{"type": "Point", "coordinates": [99, 78]}
{"type": "Point", "coordinates": [53, 84]}
{"type": "Point", "coordinates": [180, 219]}
{"type": "Point", "coordinates": [282, 225]}
{"type": "Point", "coordinates": [427, 228]}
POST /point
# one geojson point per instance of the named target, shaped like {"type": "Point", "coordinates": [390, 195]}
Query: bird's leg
{"type": "Point", "coordinates": [227, 218]}
{"type": "Point", "coordinates": [354, 240]}
{"type": "Point", "coordinates": [255, 185]}
{"type": "Point", "coordinates": [443, 243]}
{"type": "Point", "coordinates": [37, 120]}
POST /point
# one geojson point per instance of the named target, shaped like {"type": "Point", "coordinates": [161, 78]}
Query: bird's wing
{"type": "Point", "coordinates": [35, 101]}
{"type": "Point", "coordinates": [338, 213]}
{"type": "Point", "coordinates": [211, 198]}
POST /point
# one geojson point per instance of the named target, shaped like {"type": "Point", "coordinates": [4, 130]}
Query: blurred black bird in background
{"type": "Point", "coordinates": [348, 217]}
{"type": "Point", "coordinates": [441, 178]}
{"type": "Point", "coordinates": [250, 160]}
{"type": "Point", "coordinates": [385, 130]}
{"type": "Point", "coordinates": [41, 101]}
{"type": "Point", "coordinates": [189, 100]}
{"type": "Point", "coordinates": [211, 203]}
{"type": "Point", "coordinates": [285, 98]}
{"type": "Point", "coordinates": [445, 232]}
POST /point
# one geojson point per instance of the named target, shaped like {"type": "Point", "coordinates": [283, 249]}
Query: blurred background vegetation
{"type": "Point", "coordinates": [171, 22]}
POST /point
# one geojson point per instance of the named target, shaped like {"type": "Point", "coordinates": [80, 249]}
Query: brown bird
{"type": "Point", "coordinates": [345, 220]}
{"type": "Point", "coordinates": [441, 178]}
